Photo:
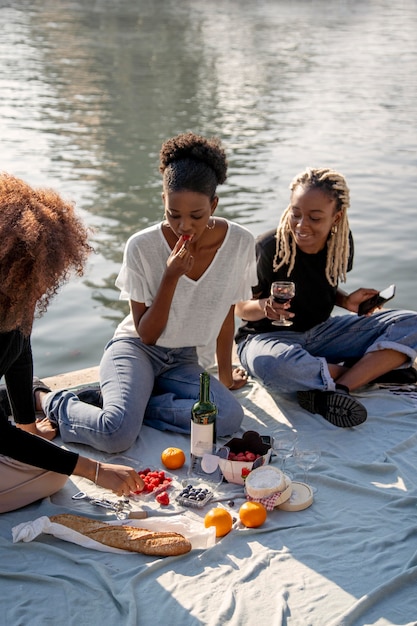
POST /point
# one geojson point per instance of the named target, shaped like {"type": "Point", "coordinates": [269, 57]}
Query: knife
{"type": "Point", "coordinates": [144, 513]}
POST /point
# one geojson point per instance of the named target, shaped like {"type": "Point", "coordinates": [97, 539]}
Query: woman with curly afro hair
{"type": "Point", "coordinates": [42, 242]}
{"type": "Point", "coordinates": [182, 278]}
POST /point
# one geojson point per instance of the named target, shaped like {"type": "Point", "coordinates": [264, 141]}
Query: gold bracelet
{"type": "Point", "coordinates": [97, 471]}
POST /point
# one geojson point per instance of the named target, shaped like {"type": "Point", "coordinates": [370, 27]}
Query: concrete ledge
{"type": "Point", "coordinates": [77, 378]}
{"type": "Point", "coordinates": [89, 376]}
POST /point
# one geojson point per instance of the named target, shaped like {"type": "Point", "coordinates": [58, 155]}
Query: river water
{"type": "Point", "coordinates": [90, 90]}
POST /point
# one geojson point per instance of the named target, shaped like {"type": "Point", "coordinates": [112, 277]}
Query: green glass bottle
{"type": "Point", "coordinates": [203, 425]}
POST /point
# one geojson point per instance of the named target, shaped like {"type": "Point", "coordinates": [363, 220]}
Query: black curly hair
{"type": "Point", "coordinates": [192, 163]}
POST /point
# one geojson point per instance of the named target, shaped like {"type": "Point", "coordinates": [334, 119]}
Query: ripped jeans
{"type": "Point", "coordinates": [287, 361]}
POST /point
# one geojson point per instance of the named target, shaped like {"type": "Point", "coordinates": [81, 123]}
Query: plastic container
{"type": "Point", "coordinates": [195, 495]}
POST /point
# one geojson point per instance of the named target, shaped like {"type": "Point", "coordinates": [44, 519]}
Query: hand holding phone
{"type": "Point", "coordinates": [376, 301]}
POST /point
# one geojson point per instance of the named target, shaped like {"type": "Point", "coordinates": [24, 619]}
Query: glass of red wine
{"type": "Point", "coordinates": [282, 291]}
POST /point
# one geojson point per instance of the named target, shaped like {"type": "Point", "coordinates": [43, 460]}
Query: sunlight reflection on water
{"type": "Point", "coordinates": [88, 92]}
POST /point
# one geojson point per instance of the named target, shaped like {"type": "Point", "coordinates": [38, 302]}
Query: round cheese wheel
{"type": "Point", "coordinates": [263, 481]}
{"type": "Point", "coordinates": [301, 498]}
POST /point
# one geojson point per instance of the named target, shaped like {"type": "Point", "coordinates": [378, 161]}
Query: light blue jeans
{"type": "Point", "coordinates": [140, 384]}
{"type": "Point", "coordinates": [285, 361]}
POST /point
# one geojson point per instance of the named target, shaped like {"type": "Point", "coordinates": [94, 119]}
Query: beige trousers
{"type": "Point", "coordinates": [22, 484]}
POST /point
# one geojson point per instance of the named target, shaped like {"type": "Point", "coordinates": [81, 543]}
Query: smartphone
{"type": "Point", "coordinates": [376, 301]}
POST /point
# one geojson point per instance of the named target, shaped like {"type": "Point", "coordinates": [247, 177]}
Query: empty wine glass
{"type": "Point", "coordinates": [284, 444]}
{"type": "Point", "coordinates": [306, 458]}
{"type": "Point", "coordinates": [282, 291]}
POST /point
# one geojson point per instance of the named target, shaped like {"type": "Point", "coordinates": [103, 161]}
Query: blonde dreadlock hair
{"type": "Point", "coordinates": [333, 184]}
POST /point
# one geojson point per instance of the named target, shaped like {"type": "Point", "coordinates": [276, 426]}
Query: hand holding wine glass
{"type": "Point", "coordinates": [282, 291]}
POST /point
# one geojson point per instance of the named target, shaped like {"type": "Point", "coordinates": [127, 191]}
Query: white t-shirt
{"type": "Point", "coordinates": [199, 307]}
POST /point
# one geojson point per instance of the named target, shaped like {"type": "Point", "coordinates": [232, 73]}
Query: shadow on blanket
{"type": "Point", "coordinates": [351, 558]}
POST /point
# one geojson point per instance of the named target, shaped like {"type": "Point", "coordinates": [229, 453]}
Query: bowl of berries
{"type": "Point", "coordinates": [245, 454]}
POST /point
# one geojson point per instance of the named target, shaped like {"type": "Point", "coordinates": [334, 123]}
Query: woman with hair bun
{"type": "Point", "coordinates": [320, 356]}
{"type": "Point", "coordinates": [182, 278]}
{"type": "Point", "coordinates": [42, 241]}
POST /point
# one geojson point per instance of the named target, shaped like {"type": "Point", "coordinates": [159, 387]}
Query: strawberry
{"type": "Point", "coordinates": [163, 498]}
{"type": "Point", "coordinates": [154, 481]}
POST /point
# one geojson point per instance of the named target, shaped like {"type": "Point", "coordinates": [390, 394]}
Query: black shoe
{"type": "Point", "coordinates": [91, 395]}
{"type": "Point", "coordinates": [337, 407]}
{"type": "Point", "coordinates": [405, 376]}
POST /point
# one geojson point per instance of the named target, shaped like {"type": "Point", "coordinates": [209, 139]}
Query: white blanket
{"type": "Point", "coordinates": [350, 559]}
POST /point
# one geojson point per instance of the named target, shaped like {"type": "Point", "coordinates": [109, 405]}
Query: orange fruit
{"type": "Point", "coordinates": [173, 458]}
{"type": "Point", "coordinates": [252, 514]}
{"type": "Point", "coordinates": [221, 519]}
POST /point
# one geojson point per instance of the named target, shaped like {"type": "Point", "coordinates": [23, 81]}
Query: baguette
{"type": "Point", "coordinates": [128, 538]}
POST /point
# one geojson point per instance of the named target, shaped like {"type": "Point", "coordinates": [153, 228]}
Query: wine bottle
{"type": "Point", "coordinates": [203, 425]}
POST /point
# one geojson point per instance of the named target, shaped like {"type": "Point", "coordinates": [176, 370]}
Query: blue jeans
{"type": "Point", "coordinates": [285, 361]}
{"type": "Point", "coordinates": [140, 384]}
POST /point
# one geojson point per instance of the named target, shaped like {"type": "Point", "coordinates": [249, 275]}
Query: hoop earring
{"type": "Point", "coordinates": [333, 230]}
{"type": "Point", "coordinates": [213, 225]}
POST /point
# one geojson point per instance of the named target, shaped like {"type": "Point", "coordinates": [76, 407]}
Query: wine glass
{"type": "Point", "coordinates": [306, 458]}
{"type": "Point", "coordinates": [284, 444]}
{"type": "Point", "coordinates": [282, 291]}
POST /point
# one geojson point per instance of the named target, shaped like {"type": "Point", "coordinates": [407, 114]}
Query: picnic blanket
{"type": "Point", "coordinates": [349, 559]}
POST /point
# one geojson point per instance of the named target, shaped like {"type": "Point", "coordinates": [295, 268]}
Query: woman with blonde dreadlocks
{"type": "Point", "coordinates": [313, 248]}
